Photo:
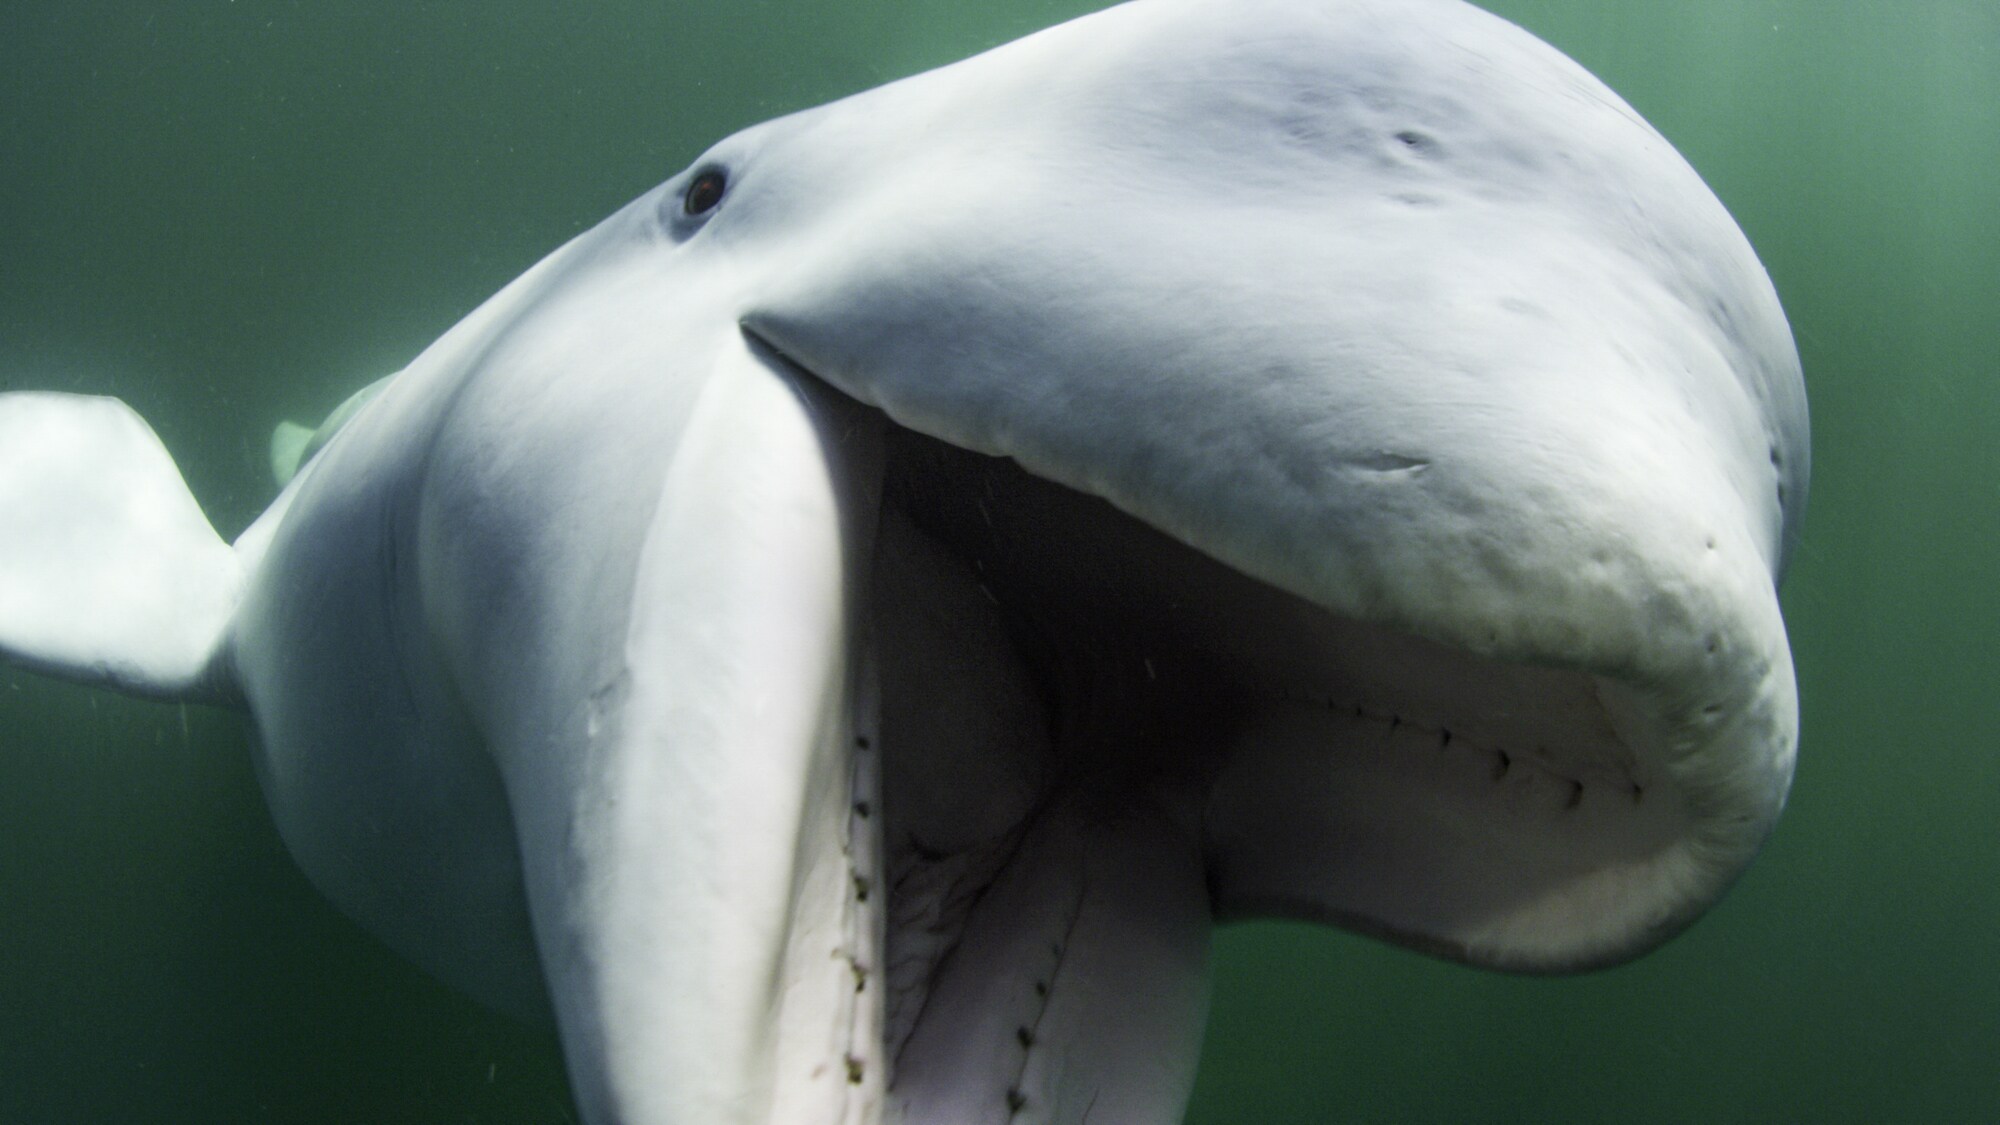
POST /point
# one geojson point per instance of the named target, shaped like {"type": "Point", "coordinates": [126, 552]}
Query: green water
{"type": "Point", "coordinates": [227, 212]}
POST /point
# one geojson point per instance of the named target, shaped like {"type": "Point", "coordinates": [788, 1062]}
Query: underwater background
{"type": "Point", "coordinates": [229, 212]}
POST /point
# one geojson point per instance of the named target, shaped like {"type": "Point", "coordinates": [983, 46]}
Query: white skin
{"type": "Point", "coordinates": [838, 634]}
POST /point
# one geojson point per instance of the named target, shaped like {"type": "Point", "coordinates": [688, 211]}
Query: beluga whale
{"type": "Point", "coordinates": [837, 636]}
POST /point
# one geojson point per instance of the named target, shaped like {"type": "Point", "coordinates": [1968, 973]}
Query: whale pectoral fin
{"type": "Point", "coordinates": [293, 444]}
{"type": "Point", "coordinates": [109, 572]}
{"type": "Point", "coordinates": [288, 450]}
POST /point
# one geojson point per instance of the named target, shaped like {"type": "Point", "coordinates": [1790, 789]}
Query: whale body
{"type": "Point", "coordinates": [837, 636]}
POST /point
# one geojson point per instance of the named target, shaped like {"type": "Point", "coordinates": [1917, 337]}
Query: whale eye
{"type": "Point", "coordinates": [705, 192]}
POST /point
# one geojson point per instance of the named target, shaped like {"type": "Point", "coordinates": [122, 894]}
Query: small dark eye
{"type": "Point", "coordinates": [705, 192]}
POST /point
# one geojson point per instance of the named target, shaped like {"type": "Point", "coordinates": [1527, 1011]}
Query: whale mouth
{"type": "Point", "coordinates": [1095, 738]}
{"type": "Point", "coordinates": [1128, 667]}
{"type": "Point", "coordinates": [1043, 655]}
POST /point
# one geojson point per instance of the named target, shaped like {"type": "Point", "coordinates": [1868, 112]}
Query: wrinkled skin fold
{"type": "Point", "coordinates": [837, 636]}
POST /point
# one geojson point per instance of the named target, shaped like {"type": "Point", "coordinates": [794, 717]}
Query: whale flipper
{"type": "Point", "coordinates": [293, 444]}
{"type": "Point", "coordinates": [288, 450]}
{"type": "Point", "coordinates": [109, 572]}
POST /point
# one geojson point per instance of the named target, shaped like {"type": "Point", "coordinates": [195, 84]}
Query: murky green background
{"type": "Point", "coordinates": [227, 212]}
